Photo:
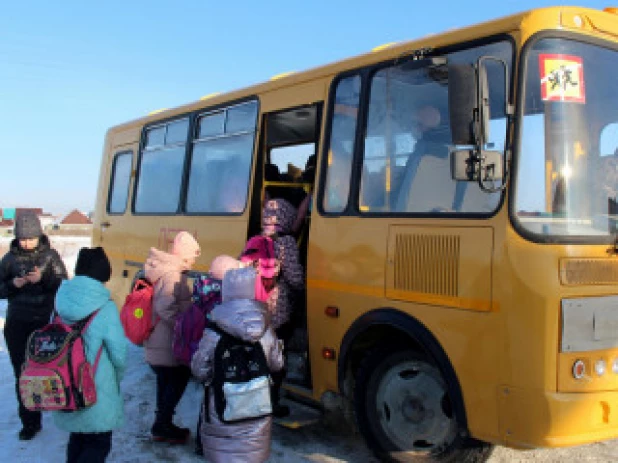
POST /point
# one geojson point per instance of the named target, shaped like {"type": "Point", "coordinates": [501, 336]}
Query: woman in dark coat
{"type": "Point", "coordinates": [30, 274]}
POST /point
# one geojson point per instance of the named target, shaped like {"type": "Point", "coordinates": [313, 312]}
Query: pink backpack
{"type": "Point", "coordinates": [260, 251]}
{"type": "Point", "coordinates": [56, 374]}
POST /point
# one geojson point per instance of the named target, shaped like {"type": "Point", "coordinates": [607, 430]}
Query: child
{"type": "Point", "coordinates": [91, 428]}
{"type": "Point", "coordinates": [30, 274]}
{"type": "Point", "coordinates": [172, 295]}
{"type": "Point", "coordinates": [245, 441]}
{"type": "Point", "coordinates": [277, 220]}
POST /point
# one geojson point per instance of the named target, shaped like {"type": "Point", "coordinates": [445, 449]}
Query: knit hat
{"type": "Point", "coordinates": [222, 264]}
{"type": "Point", "coordinates": [27, 225]}
{"type": "Point", "coordinates": [93, 263]}
{"type": "Point", "coordinates": [185, 246]}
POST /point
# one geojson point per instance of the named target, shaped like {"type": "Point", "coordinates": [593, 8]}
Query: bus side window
{"type": "Point", "coordinates": [119, 183]}
{"type": "Point", "coordinates": [161, 168]}
{"type": "Point", "coordinates": [341, 145]}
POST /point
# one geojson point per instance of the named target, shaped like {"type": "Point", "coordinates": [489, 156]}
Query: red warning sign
{"type": "Point", "coordinates": [562, 78]}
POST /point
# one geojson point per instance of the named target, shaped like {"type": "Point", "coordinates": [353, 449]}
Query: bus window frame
{"type": "Point", "coordinates": [366, 73]}
{"type": "Point", "coordinates": [518, 129]}
{"type": "Point", "coordinates": [111, 184]}
{"type": "Point", "coordinates": [193, 117]}
{"type": "Point", "coordinates": [142, 148]}
{"type": "Point", "coordinates": [194, 138]}
{"type": "Point", "coordinates": [328, 129]}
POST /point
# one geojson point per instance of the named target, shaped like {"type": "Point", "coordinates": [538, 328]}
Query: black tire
{"type": "Point", "coordinates": [405, 414]}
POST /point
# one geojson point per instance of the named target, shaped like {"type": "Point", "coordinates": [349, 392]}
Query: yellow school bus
{"type": "Point", "coordinates": [461, 248]}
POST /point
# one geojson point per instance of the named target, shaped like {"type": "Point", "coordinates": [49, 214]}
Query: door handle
{"type": "Point", "coordinates": [105, 224]}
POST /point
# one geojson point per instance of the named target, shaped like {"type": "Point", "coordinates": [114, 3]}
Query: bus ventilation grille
{"type": "Point", "coordinates": [588, 272]}
{"type": "Point", "coordinates": [427, 264]}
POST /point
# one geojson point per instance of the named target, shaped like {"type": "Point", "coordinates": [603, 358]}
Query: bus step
{"type": "Point", "coordinates": [300, 415]}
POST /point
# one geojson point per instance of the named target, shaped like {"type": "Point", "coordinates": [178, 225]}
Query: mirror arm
{"type": "Point", "coordinates": [483, 169]}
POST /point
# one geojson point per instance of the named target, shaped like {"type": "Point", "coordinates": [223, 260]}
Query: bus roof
{"type": "Point", "coordinates": [537, 19]}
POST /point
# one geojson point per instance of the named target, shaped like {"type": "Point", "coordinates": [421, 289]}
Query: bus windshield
{"type": "Point", "coordinates": [567, 170]}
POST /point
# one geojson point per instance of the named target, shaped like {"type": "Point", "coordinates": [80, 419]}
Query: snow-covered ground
{"type": "Point", "coordinates": [132, 444]}
{"type": "Point", "coordinates": [323, 442]}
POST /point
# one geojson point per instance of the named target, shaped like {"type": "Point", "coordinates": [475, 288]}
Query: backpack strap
{"type": "Point", "coordinates": [81, 326]}
{"type": "Point", "coordinates": [96, 361]}
{"type": "Point", "coordinates": [214, 327]}
{"type": "Point", "coordinates": [84, 323]}
{"type": "Point", "coordinates": [142, 283]}
{"type": "Point", "coordinates": [88, 320]}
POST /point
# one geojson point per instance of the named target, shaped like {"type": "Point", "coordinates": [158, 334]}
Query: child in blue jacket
{"type": "Point", "coordinates": [91, 428]}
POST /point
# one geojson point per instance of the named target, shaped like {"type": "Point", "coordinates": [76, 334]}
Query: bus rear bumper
{"type": "Point", "coordinates": [531, 419]}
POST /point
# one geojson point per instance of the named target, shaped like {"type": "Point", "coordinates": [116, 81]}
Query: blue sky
{"type": "Point", "coordinates": [70, 70]}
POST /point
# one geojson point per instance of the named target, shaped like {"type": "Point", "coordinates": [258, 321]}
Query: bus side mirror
{"type": "Point", "coordinates": [468, 104]}
{"type": "Point", "coordinates": [468, 166]}
{"type": "Point", "coordinates": [461, 102]}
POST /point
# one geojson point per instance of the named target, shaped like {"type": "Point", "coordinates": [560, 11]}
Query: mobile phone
{"type": "Point", "coordinates": [25, 271]}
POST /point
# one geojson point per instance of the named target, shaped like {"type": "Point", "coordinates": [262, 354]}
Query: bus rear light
{"type": "Point", "coordinates": [600, 367]}
{"type": "Point", "coordinates": [328, 353]}
{"type": "Point", "coordinates": [579, 369]}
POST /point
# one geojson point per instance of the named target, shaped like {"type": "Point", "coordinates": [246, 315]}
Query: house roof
{"type": "Point", "coordinates": [76, 218]}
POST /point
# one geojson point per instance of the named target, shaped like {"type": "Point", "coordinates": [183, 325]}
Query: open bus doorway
{"type": "Point", "coordinates": [286, 169]}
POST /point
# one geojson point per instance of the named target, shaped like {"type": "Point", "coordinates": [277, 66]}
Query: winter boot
{"type": "Point", "coordinates": [28, 431]}
{"type": "Point", "coordinates": [169, 432]}
{"type": "Point", "coordinates": [279, 411]}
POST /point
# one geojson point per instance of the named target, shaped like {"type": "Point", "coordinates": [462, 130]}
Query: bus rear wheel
{"type": "Point", "coordinates": [405, 413]}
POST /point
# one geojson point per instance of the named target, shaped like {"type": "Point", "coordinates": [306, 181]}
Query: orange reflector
{"type": "Point", "coordinates": [579, 369]}
{"type": "Point", "coordinates": [328, 353]}
{"type": "Point", "coordinates": [611, 9]}
{"type": "Point", "coordinates": [331, 311]}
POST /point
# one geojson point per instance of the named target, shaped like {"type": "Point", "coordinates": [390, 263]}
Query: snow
{"type": "Point", "coordinates": [132, 443]}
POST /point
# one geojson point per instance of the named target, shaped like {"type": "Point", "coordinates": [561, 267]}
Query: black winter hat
{"type": "Point", "coordinates": [93, 263]}
{"type": "Point", "coordinates": [27, 225]}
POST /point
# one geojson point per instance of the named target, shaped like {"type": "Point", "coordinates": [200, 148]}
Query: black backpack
{"type": "Point", "coordinates": [241, 380]}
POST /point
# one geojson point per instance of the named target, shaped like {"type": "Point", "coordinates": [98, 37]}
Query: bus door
{"type": "Point", "coordinates": [287, 159]}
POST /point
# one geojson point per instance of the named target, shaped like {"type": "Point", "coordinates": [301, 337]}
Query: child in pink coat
{"type": "Point", "coordinates": [172, 295]}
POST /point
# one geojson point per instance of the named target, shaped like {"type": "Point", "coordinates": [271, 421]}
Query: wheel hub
{"type": "Point", "coordinates": [410, 404]}
{"type": "Point", "coordinates": [413, 410]}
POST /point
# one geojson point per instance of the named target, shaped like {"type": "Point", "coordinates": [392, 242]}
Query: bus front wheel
{"type": "Point", "coordinates": [405, 413]}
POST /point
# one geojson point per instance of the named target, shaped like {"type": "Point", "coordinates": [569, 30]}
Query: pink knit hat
{"type": "Point", "coordinates": [222, 264]}
{"type": "Point", "coordinates": [185, 246]}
